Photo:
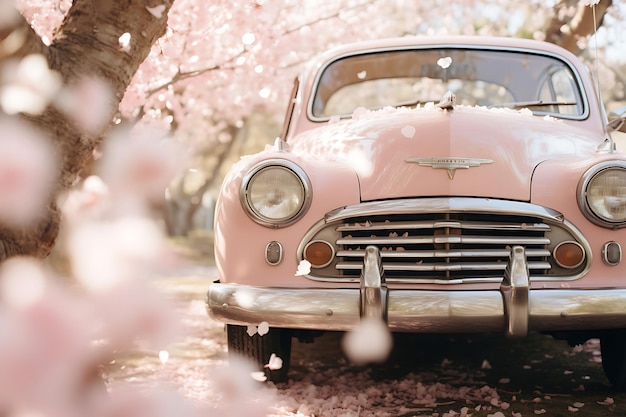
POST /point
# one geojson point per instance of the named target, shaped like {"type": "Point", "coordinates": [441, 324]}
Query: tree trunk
{"type": "Point", "coordinates": [86, 44]}
{"type": "Point", "coordinates": [565, 30]}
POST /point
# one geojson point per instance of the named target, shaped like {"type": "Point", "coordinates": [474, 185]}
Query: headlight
{"type": "Point", "coordinates": [602, 194]}
{"type": "Point", "coordinates": [275, 193]}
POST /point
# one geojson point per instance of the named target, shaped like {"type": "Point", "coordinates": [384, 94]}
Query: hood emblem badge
{"type": "Point", "coordinates": [451, 164]}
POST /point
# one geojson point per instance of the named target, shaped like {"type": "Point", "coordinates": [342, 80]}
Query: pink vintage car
{"type": "Point", "coordinates": [441, 185]}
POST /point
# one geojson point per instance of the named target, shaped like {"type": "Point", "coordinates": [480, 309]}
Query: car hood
{"type": "Point", "coordinates": [466, 151]}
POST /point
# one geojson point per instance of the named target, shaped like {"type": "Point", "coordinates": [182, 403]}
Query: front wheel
{"type": "Point", "coordinates": [613, 349]}
{"type": "Point", "coordinates": [258, 349]}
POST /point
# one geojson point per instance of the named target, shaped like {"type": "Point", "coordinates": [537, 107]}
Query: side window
{"type": "Point", "coordinates": [560, 87]}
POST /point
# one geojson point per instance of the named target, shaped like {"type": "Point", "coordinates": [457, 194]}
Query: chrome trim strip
{"type": "Point", "coordinates": [443, 267]}
{"type": "Point", "coordinates": [465, 253]}
{"type": "Point", "coordinates": [444, 239]}
{"type": "Point", "coordinates": [453, 224]}
{"type": "Point", "coordinates": [416, 310]}
{"type": "Point", "coordinates": [444, 205]}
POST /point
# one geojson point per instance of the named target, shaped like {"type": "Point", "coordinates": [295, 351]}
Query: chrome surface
{"type": "Point", "coordinates": [445, 240]}
{"type": "Point", "coordinates": [289, 165]}
{"type": "Point", "coordinates": [443, 205]}
{"type": "Point", "coordinates": [514, 289]}
{"type": "Point", "coordinates": [448, 163]}
{"type": "Point", "coordinates": [373, 287]}
{"type": "Point", "coordinates": [447, 102]}
{"type": "Point", "coordinates": [416, 311]}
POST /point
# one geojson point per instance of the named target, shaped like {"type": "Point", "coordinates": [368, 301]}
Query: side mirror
{"type": "Point", "coordinates": [617, 120]}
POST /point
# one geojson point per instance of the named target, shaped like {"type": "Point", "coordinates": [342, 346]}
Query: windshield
{"type": "Point", "coordinates": [493, 78]}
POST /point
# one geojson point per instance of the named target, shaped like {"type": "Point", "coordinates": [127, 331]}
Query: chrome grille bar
{"type": "Point", "coordinates": [387, 225]}
{"type": "Point", "coordinates": [458, 239]}
{"type": "Point", "coordinates": [442, 267]}
{"type": "Point", "coordinates": [466, 253]}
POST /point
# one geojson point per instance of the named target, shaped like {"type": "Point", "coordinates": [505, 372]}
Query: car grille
{"type": "Point", "coordinates": [445, 247]}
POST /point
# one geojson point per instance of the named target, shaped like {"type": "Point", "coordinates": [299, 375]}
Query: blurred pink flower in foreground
{"type": "Point", "coordinates": [241, 393]}
{"type": "Point", "coordinates": [46, 353]}
{"type": "Point", "coordinates": [88, 202]}
{"type": "Point", "coordinates": [370, 342]}
{"type": "Point", "coordinates": [139, 168]}
{"type": "Point", "coordinates": [28, 171]}
{"type": "Point", "coordinates": [106, 253]}
{"type": "Point", "coordinates": [28, 85]}
{"type": "Point", "coordinates": [89, 102]}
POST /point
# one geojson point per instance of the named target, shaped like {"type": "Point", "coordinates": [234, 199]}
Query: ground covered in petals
{"type": "Point", "coordinates": [443, 376]}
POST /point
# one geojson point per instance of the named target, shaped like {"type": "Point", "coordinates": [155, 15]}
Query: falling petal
{"type": "Point", "coordinates": [304, 268]}
{"type": "Point", "coordinates": [408, 131]}
{"type": "Point", "coordinates": [263, 328]}
{"type": "Point", "coordinates": [156, 11]}
{"type": "Point", "coordinates": [258, 376]}
{"type": "Point", "coordinates": [274, 363]}
{"type": "Point", "coordinates": [124, 42]}
{"type": "Point", "coordinates": [444, 62]}
{"type": "Point", "coordinates": [164, 355]}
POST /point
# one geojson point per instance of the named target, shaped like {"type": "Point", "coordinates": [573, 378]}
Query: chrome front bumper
{"type": "Point", "coordinates": [514, 309]}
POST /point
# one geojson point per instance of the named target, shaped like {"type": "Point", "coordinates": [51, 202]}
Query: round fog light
{"type": "Point", "coordinates": [569, 254]}
{"type": "Point", "coordinates": [319, 253]}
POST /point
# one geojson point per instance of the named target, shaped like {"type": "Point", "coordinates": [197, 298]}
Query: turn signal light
{"type": "Point", "coordinates": [569, 254]}
{"type": "Point", "coordinates": [319, 253]}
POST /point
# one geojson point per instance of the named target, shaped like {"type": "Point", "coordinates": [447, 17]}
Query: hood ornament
{"type": "Point", "coordinates": [447, 102]}
{"type": "Point", "coordinates": [451, 164]}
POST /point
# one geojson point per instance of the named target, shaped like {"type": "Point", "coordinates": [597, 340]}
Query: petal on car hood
{"type": "Point", "coordinates": [468, 151]}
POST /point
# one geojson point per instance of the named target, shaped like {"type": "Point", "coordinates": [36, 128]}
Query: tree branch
{"type": "Point", "coordinates": [567, 32]}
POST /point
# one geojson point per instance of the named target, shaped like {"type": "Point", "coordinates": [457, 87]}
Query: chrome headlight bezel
{"type": "Point", "coordinates": [294, 214]}
{"type": "Point", "coordinates": [587, 207]}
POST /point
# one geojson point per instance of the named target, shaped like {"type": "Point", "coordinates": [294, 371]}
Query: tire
{"type": "Point", "coordinates": [258, 349]}
{"type": "Point", "coordinates": [613, 349]}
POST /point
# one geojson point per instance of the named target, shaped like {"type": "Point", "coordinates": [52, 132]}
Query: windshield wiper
{"type": "Point", "coordinates": [535, 103]}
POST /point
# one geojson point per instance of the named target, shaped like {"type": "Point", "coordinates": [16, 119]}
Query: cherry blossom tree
{"type": "Point", "coordinates": [201, 70]}
{"type": "Point", "coordinates": [101, 40]}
